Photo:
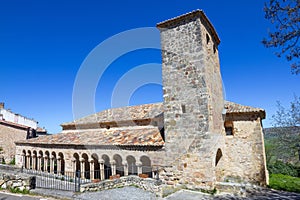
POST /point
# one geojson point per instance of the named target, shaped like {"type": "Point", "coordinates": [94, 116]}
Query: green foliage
{"type": "Point", "coordinates": [12, 162]}
{"type": "Point", "coordinates": [17, 190]}
{"type": "Point", "coordinates": [270, 151]}
{"type": "Point", "coordinates": [284, 15]}
{"type": "Point", "coordinates": [284, 182]}
{"type": "Point", "coordinates": [3, 161]}
{"type": "Point", "coordinates": [280, 167]}
{"type": "Point", "coordinates": [287, 117]}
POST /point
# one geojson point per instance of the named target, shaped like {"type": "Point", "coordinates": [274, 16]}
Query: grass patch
{"type": "Point", "coordinates": [13, 162]}
{"type": "Point", "coordinates": [284, 182]}
{"type": "Point", "coordinates": [18, 191]}
{"type": "Point", "coordinates": [134, 185]}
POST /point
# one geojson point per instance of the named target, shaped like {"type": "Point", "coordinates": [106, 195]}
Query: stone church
{"type": "Point", "coordinates": [193, 138]}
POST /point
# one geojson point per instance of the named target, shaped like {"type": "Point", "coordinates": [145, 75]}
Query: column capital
{"type": "Point", "coordinates": [101, 161]}
{"type": "Point", "coordinates": [112, 162]}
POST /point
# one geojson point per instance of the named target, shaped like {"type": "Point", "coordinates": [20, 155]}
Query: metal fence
{"type": "Point", "coordinates": [71, 181]}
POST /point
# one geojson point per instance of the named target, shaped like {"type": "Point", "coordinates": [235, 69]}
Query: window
{"type": "Point", "coordinates": [228, 131]}
{"type": "Point", "coordinates": [207, 38]}
{"type": "Point", "coordinates": [218, 156]}
{"type": "Point", "coordinates": [228, 128]}
{"type": "Point", "coordinates": [183, 109]}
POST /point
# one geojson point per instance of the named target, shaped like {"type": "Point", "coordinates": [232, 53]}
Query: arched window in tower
{"type": "Point", "coordinates": [218, 156]}
{"type": "Point", "coordinates": [207, 38]}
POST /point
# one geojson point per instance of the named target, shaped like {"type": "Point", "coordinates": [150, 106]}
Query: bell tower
{"type": "Point", "coordinates": [192, 88]}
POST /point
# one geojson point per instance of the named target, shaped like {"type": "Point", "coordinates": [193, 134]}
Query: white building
{"type": "Point", "coordinates": [9, 116]}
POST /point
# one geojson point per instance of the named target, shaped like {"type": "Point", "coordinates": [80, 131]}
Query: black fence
{"type": "Point", "coordinates": [71, 181]}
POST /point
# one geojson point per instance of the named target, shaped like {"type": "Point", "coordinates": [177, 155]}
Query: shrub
{"type": "Point", "coordinates": [17, 190]}
{"type": "Point", "coordinates": [12, 162]}
{"type": "Point", "coordinates": [280, 167]}
{"type": "Point", "coordinates": [284, 182]}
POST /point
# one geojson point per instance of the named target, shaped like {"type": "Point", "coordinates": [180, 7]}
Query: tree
{"type": "Point", "coordinates": [287, 129]}
{"type": "Point", "coordinates": [287, 117]}
{"type": "Point", "coordinates": [284, 14]}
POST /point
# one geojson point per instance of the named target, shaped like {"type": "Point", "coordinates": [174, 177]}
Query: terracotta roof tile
{"type": "Point", "coordinates": [139, 135]}
{"type": "Point", "coordinates": [13, 124]}
{"type": "Point", "coordinates": [149, 111]}
{"type": "Point", "coordinates": [234, 108]}
{"type": "Point", "coordinates": [146, 111]}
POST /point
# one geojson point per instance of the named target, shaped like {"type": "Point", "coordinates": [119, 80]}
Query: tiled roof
{"type": "Point", "coordinates": [11, 124]}
{"type": "Point", "coordinates": [146, 111]}
{"type": "Point", "coordinates": [234, 108]}
{"type": "Point", "coordinates": [189, 15]}
{"type": "Point", "coordinates": [39, 129]}
{"type": "Point", "coordinates": [149, 111]}
{"type": "Point", "coordinates": [137, 136]}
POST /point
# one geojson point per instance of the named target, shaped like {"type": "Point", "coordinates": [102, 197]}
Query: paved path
{"type": "Point", "coordinates": [9, 196]}
{"type": "Point", "coordinates": [133, 193]}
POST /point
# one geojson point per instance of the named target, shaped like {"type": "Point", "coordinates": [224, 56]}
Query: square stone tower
{"type": "Point", "coordinates": [193, 97]}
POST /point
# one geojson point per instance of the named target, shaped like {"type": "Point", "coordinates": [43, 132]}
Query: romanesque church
{"type": "Point", "coordinates": [194, 137]}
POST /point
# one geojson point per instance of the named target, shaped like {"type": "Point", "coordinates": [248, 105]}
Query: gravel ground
{"type": "Point", "coordinates": [133, 193]}
{"type": "Point", "coordinates": [125, 193]}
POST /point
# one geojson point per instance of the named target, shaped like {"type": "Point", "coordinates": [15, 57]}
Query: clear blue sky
{"type": "Point", "coordinates": [43, 44]}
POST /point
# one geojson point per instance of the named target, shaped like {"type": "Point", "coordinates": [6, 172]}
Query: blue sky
{"type": "Point", "coordinates": [43, 45]}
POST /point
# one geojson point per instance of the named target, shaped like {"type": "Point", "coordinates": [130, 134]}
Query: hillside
{"type": "Point", "coordinates": [283, 144]}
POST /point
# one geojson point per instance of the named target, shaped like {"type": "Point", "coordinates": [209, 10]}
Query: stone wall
{"type": "Point", "coordinates": [244, 153]}
{"type": "Point", "coordinates": [8, 136]}
{"type": "Point", "coordinates": [144, 183]}
{"type": "Point", "coordinates": [15, 181]}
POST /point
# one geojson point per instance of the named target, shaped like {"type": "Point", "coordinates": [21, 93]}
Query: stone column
{"type": "Point", "coordinates": [52, 164]}
{"type": "Point", "coordinates": [39, 163]}
{"type": "Point", "coordinates": [23, 160]}
{"type": "Point", "coordinates": [34, 162]}
{"type": "Point", "coordinates": [139, 168]}
{"type": "Point", "coordinates": [113, 168]}
{"type": "Point", "coordinates": [92, 172]}
{"type": "Point", "coordinates": [46, 164]}
{"type": "Point", "coordinates": [74, 165]}
{"type": "Point", "coordinates": [58, 165]}
{"type": "Point", "coordinates": [28, 161]}
{"type": "Point", "coordinates": [102, 175]}
{"type": "Point", "coordinates": [125, 169]}
{"type": "Point", "coordinates": [82, 168]}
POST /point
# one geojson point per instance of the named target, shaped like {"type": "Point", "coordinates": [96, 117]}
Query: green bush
{"type": "Point", "coordinates": [279, 167]}
{"type": "Point", "coordinates": [17, 190]}
{"type": "Point", "coordinates": [284, 182]}
{"type": "Point", "coordinates": [12, 162]}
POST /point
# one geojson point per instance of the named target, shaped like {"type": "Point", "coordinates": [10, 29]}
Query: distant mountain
{"type": "Point", "coordinates": [283, 143]}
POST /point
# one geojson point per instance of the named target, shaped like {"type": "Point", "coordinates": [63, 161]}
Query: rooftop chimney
{"type": "Point", "coordinates": [1, 105]}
